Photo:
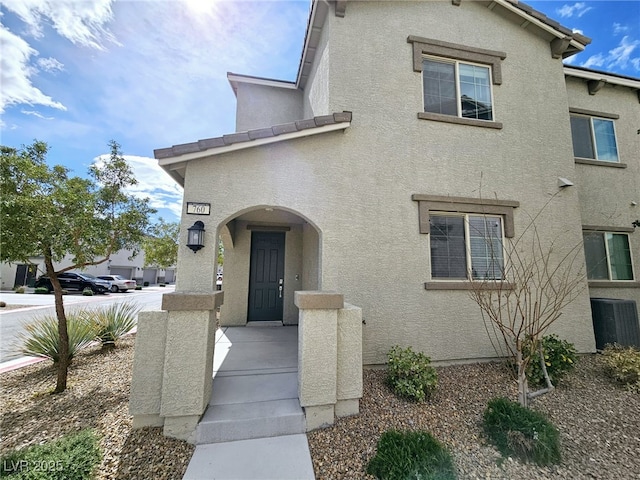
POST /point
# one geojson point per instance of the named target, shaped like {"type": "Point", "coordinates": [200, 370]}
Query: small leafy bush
{"type": "Point", "coordinates": [411, 455]}
{"type": "Point", "coordinates": [72, 457]}
{"type": "Point", "coordinates": [410, 374]}
{"type": "Point", "coordinates": [560, 357]}
{"type": "Point", "coordinates": [516, 430]}
{"type": "Point", "coordinates": [42, 340]}
{"type": "Point", "coordinates": [41, 290]}
{"type": "Point", "coordinates": [623, 364]}
{"type": "Point", "coordinates": [138, 287]}
{"type": "Point", "coordinates": [146, 284]}
{"type": "Point", "coordinates": [3, 304]}
{"type": "Point", "coordinates": [87, 292]}
{"type": "Point", "coordinates": [112, 322]}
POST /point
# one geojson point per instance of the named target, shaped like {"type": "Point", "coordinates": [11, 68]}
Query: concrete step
{"type": "Point", "coordinates": [243, 421]}
{"type": "Point", "coordinates": [252, 388]}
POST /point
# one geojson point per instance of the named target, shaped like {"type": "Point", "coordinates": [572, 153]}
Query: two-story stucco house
{"type": "Point", "coordinates": [372, 173]}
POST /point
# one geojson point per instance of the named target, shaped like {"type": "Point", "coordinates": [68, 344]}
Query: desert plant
{"type": "Point", "coordinates": [623, 364]}
{"type": "Point", "coordinates": [517, 430]}
{"type": "Point", "coordinates": [20, 289]}
{"type": "Point", "coordinates": [411, 455]}
{"type": "Point", "coordinates": [72, 457]}
{"type": "Point", "coordinates": [41, 290]}
{"type": "Point", "coordinates": [42, 339]}
{"type": "Point", "coordinates": [560, 357]}
{"type": "Point", "coordinates": [87, 292]}
{"type": "Point", "coordinates": [3, 304]}
{"type": "Point", "coordinates": [410, 374]}
{"type": "Point", "coordinates": [112, 322]}
{"type": "Point", "coordinates": [146, 284]}
{"type": "Point", "coordinates": [138, 287]}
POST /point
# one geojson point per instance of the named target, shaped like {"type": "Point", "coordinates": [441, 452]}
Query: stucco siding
{"type": "Point", "coordinates": [260, 106]}
{"type": "Point", "coordinates": [316, 98]}
{"type": "Point", "coordinates": [607, 193]}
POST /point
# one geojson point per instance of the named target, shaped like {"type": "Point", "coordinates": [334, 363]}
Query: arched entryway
{"type": "Point", "coordinates": [269, 253]}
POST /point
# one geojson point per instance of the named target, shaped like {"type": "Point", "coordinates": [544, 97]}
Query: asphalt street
{"type": "Point", "coordinates": [12, 321]}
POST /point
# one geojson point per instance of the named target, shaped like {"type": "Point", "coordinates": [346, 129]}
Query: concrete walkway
{"type": "Point", "coordinates": [254, 426]}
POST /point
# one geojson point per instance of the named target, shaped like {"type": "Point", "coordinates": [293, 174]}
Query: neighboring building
{"type": "Point", "coordinates": [370, 173]}
{"type": "Point", "coordinates": [16, 274]}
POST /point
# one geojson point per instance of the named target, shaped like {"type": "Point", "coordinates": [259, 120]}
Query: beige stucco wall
{"type": "Point", "coordinates": [356, 186]}
{"type": "Point", "coordinates": [606, 193]}
{"type": "Point", "coordinates": [261, 105]}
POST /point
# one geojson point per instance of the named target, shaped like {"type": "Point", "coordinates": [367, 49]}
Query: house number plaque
{"type": "Point", "coordinates": [194, 208]}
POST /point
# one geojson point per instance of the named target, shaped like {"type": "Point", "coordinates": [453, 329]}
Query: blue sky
{"type": "Point", "coordinates": [152, 73]}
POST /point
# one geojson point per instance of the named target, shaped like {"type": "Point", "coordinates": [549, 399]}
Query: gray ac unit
{"type": "Point", "coordinates": [615, 321]}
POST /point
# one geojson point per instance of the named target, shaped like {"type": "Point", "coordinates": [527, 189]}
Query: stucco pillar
{"type": "Point", "coordinates": [148, 368]}
{"type": "Point", "coordinates": [318, 355]}
{"type": "Point", "coordinates": [173, 363]}
{"type": "Point", "coordinates": [349, 377]}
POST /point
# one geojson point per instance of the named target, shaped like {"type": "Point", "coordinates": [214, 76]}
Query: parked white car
{"type": "Point", "coordinates": [119, 283]}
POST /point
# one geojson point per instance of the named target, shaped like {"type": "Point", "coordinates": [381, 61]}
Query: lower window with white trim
{"type": "Point", "coordinates": [608, 256]}
{"type": "Point", "coordinates": [466, 247]}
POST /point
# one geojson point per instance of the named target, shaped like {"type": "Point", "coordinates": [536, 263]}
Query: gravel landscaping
{"type": "Point", "coordinates": [599, 424]}
{"type": "Point", "coordinates": [599, 421]}
{"type": "Point", "coordinates": [97, 397]}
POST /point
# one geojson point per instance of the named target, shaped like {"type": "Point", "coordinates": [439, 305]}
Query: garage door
{"type": "Point", "coordinates": [150, 275]}
{"type": "Point", "coordinates": [169, 276]}
{"type": "Point", "coordinates": [125, 272]}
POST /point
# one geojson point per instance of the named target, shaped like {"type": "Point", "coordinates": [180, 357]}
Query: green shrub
{"type": "Point", "coordinates": [411, 455]}
{"type": "Point", "coordinates": [623, 364]}
{"type": "Point", "coordinates": [560, 357]}
{"type": "Point", "coordinates": [146, 284]}
{"type": "Point", "coordinates": [112, 322]}
{"type": "Point", "coordinates": [41, 290]}
{"type": "Point", "coordinates": [72, 457]}
{"type": "Point", "coordinates": [410, 375]}
{"type": "Point", "coordinates": [162, 285]}
{"type": "Point", "coordinates": [42, 340]}
{"type": "Point", "coordinates": [516, 430]}
{"type": "Point", "coordinates": [138, 287]}
{"type": "Point", "coordinates": [87, 292]}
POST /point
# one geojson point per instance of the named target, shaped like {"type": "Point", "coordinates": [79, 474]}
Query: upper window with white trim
{"type": "Point", "coordinates": [457, 88]}
{"type": "Point", "coordinates": [594, 138]}
{"type": "Point", "coordinates": [608, 256]}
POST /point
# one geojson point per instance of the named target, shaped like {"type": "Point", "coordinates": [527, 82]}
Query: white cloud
{"type": "Point", "coordinates": [153, 183]}
{"type": "Point", "coordinates": [594, 61]}
{"type": "Point", "coordinates": [81, 22]}
{"type": "Point", "coordinates": [619, 29]}
{"type": "Point", "coordinates": [35, 114]}
{"type": "Point", "coordinates": [617, 58]}
{"type": "Point", "coordinates": [16, 73]}
{"type": "Point", "coordinates": [50, 64]}
{"type": "Point", "coordinates": [577, 9]}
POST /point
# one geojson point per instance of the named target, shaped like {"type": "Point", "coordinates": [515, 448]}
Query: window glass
{"type": "Point", "coordinates": [441, 81]}
{"type": "Point", "coordinates": [596, 256]}
{"type": "Point", "coordinates": [439, 87]}
{"type": "Point", "coordinates": [605, 140]}
{"type": "Point", "coordinates": [587, 130]}
{"type": "Point", "coordinates": [619, 256]}
{"type": "Point", "coordinates": [608, 256]}
{"type": "Point", "coordinates": [462, 240]}
{"type": "Point", "coordinates": [485, 244]}
{"type": "Point", "coordinates": [448, 252]}
{"type": "Point", "coordinates": [581, 133]}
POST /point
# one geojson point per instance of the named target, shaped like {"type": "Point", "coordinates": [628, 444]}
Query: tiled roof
{"type": "Point", "coordinates": [549, 21]}
{"type": "Point", "coordinates": [251, 135]}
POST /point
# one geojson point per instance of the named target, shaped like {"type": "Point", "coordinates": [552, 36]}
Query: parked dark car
{"type": "Point", "coordinates": [76, 281]}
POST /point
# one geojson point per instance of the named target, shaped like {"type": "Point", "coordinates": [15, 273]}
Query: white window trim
{"type": "Point", "coordinates": [592, 131]}
{"type": "Point", "coordinates": [456, 64]}
{"type": "Point", "coordinates": [467, 246]}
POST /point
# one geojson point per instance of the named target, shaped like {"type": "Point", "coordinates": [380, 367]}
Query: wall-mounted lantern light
{"type": "Point", "coordinates": [195, 236]}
